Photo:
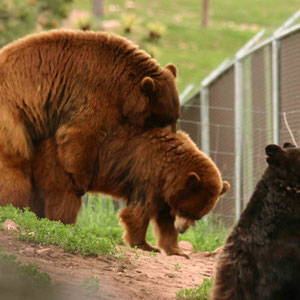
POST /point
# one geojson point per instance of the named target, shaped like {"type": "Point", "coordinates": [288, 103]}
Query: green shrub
{"type": "Point", "coordinates": [128, 21]}
{"type": "Point", "coordinates": [25, 282]}
{"type": "Point", "coordinates": [200, 293]}
{"type": "Point", "coordinates": [156, 30]}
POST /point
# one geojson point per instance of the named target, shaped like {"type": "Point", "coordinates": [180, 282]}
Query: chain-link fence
{"type": "Point", "coordinates": [240, 109]}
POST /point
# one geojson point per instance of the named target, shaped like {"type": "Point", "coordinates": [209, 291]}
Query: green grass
{"type": "Point", "coordinates": [72, 239]}
{"type": "Point", "coordinates": [207, 234]}
{"type": "Point", "coordinates": [200, 293]}
{"type": "Point", "coordinates": [97, 230]}
{"type": "Point", "coordinates": [100, 218]}
{"type": "Point", "coordinates": [27, 282]}
{"type": "Point", "coordinates": [90, 286]}
{"type": "Point", "coordinates": [197, 51]}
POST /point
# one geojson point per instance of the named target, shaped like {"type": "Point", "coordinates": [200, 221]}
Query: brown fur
{"type": "Point", "coordinates": [75, 87]}
{"type": "Point", "coordinates": [152, 171]}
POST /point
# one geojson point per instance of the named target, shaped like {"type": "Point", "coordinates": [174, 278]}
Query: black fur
{"type": "Point", "coordinates": [261, 257]}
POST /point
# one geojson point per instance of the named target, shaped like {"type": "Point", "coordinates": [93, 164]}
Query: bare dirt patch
{"type": "Point", "coordinates": [136, 275]}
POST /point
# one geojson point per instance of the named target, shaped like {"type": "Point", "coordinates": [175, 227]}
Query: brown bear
{"type": "Point", "coordinates": [74, 86]}
{"type": "Point", "coordinates": [162, 176]}
{"type": "Point", "coordinates": [261, 258]}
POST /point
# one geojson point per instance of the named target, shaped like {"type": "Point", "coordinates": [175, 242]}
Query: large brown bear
{"type": "Point", "coordinates": [261, 258]}
{"type": "Point", "coordinates": [162, 176]}
{"type": "Point", "coordinates": [75, 87]}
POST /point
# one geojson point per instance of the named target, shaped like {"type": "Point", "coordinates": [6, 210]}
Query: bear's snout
{"type": "Point", "coordinates": [182, 224]}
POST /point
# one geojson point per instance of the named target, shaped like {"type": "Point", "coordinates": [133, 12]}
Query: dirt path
{"type": "Point", "coordinates": [137, 275]}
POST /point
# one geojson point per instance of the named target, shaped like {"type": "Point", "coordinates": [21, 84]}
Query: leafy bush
{"type": "Point", "coordinates": [156, 30]}
{"type": "Point", "coordinates": [128, 21]}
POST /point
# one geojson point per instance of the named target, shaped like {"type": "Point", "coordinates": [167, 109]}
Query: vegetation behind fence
{"type": "Point", "coordinates": [239, 110]}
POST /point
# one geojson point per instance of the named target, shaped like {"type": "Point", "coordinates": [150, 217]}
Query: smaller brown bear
{"type": "Point", "coordinates": [162, 176]}
{"type": "Point", "coordinates": [261, 258]}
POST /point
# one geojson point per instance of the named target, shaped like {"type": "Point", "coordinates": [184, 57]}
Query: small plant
{"type": "Point", "coordinates": [120, 254]}
{"type": "Point", "coordinates": [84, 23]}
{"type": "Point", "coordinates": [156, 30]}
{"type": "Point", "coordinates": [27, 280]}
{"type": "Point", "coordinates": [135, 249]}
{"type": "Point", "coordinates": [177, 267]}
{"type": "Point", "coordinates": [200, 293]}
{"type": "Point", "coordinates": [152, 50]}
{"type": "Point", "coordinates": [91, 286]}
{"type": "Point", "coordinates": [153, 253]}
{"type": "Point", "coordinates": [128, 21]}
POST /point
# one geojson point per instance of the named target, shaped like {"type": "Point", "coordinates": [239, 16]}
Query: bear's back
{"type": "Point", "coordinates": [106, 46]}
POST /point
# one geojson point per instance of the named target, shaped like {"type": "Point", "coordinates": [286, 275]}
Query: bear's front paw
{"type": "Point", "coordinates": [176, 251]}
{"type": "Point", "coordinates": [146, 247]}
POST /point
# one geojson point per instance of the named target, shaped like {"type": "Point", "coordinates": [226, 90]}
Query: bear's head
{"type": "Point", "coordinates": [284, 165]}
{"type": "Point", "coordinates": [196, 197]}
{"type": "Point", "coordinates": [155, 101]}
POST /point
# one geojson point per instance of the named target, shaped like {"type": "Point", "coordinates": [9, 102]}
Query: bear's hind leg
{"type": "Point", "coordinates": [135, 222]}
{"type": "Point", "coordinates": [15, 181]}
{"type": "Point", "coordinates": [166, 233]}
{"type": "Point", "coordinates": [62, 206]}
{"type": "Point", "coordinates": [54, 187]}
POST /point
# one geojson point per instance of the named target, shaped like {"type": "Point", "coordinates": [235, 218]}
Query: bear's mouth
{"type": "Point", "coordinates": [182, 224]}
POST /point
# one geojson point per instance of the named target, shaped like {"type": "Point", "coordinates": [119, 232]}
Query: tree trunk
{"type": "Point", "coordinates": [205, 13]}
{"type": "Point", "coordinates": [97, 6]}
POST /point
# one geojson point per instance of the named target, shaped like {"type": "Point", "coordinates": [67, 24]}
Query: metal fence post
{"type": "Point", "coordinates": [238, 106]}
{"type": "Point", "coordinates": [204, 119]}
{"type": "Point", "coordinates": [275, 89]}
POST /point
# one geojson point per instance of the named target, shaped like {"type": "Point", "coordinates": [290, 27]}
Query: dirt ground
{"type": "Point", "coordinates": [135, 275]}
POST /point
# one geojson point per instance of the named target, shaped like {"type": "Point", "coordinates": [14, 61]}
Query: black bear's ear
{"type": "Point", "coordinates": [172, 68]}
{"type": "Point", "coordinates": [148, 85]}
{"type": "Point", "coordinates": [288, 145]}
{"type": "Point", "coordinates": [275, 154]}
{"type": "Point", "coordinates": [193, 180]}
{"type": "Point", "coordinates": [226, 187]}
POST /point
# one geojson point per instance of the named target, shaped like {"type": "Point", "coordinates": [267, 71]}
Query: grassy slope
{"type": "Point", "coordinates": [197, 51]}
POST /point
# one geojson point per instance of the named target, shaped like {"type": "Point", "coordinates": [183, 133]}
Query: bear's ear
{"type": "Point", "coordinates": [148, 85]}
{"type": "Point", "coordinates": [275, 154]}
{"type": "Point", "coordinates": [288, 145]}
{"type": "Point", "coordinates": [193, 180]}
{"type": "Point", "coordinates": [172, 68]}
{"type": "Point", "coordinates": [226, 187]}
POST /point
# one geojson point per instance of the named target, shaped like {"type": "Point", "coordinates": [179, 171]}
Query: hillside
{"type": "Point", "coordinates": [195, 50]}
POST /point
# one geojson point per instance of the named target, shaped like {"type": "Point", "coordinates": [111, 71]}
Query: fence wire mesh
{"type": "Point", "coordinates": [221, 132]}
{"type": "Point", "coordinates": [257, 116]}
{"type": "Point", "coordinates": [290, 87]}
{"type": "Point", "coordinates": [190, 119]}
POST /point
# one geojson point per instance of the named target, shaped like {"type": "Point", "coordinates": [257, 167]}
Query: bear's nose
{"type": "Point", "coordinates": [181, 224]}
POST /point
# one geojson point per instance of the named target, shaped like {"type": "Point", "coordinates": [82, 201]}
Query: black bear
{"type": "Point", "coordinates": [261, 257]}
